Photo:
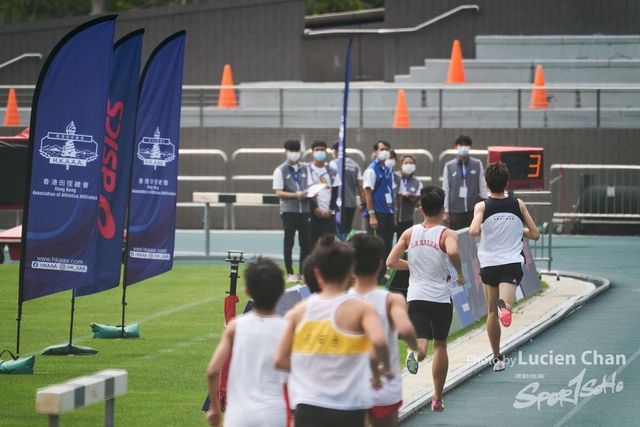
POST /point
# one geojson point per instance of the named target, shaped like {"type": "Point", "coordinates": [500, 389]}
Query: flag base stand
{"type": "Point", "coordinates": [107, 331]}
{"type": "Point", "coordinates": [68, 350]}
{"type": "Point", "coordinates": [16, 366]}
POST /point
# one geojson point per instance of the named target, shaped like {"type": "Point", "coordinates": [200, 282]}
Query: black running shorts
{"type": "Point", "coordinates": [315, 416]}
{"type": "Point", "coordinates": [431, 320]}
{"type": "Point", "coordinates": [508, 273]}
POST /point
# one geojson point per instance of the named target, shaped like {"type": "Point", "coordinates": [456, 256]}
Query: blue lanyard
{"type": "Point", "coordinates": [296, 175]}
{"type": "Point", "coordinates": [405, 181]}
{"type": "Point", "coordinates": [463, 172]}
{"type": "Point", "coordinates": [319, 176]}
{"type": "Point", "coordinates": [384, 176]}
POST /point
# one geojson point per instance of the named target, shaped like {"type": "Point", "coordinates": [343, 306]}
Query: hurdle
{"type": "Point", "coordinates": [58, 399]}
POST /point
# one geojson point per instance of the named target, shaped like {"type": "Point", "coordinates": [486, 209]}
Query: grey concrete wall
{"type": "Point", "coordinates": [571, 71]}
{"type": "Point", "coordinates": [501, 17]}
{"type": "Point", "coordinates": [259, 38]}
{"type": "Point", "coordinates": [263, 39]}
{"type": "Point", "coordinates": [558, 47]}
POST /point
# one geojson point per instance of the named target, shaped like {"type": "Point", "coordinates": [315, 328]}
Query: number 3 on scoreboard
{"type": "Point", "coordinates": [537, 158]}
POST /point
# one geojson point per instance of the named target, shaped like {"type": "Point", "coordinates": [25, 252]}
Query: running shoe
{"type": "Point", "coordinates": [504, 313]}
{"type": "Point", "coordinates": [292, 278]}
{"type": "Point", "coordinates": [412, 362]}
{"type": "Point", "coordinates": [498, 363]}
{"type": "Point", "coordinates": [437, 406]}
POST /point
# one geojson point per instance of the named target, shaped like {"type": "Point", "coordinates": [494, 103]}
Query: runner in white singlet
{"type": "Point", "coordinates": [392, 310]}
{"type": "Point", "coordinates": [327, 346]}
{"type": "Point", "coordinates": [430, 247]}
{"type": "Point", "coordinates": [500, 221]}
{"type": "Point", "coordinates": [255, 389]}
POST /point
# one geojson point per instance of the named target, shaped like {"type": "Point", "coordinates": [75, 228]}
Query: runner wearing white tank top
{"type": "Point", "coordinates": [254, 346]}
{"type": "Point", "coordinates": [430, 247]}
{"type": "Point", "coordinates": [502, 222]}
{"type": "Point", "coordinates": [327, 343]}
{"type": "Point", "coordinates": [393, 316]}
{"type": "Point", "coordinates": [428, 265]}
{"type": "Point", "coordinates": [255, 389]}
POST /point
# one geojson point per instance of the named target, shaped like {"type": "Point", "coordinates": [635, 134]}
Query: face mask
{"type": "Point", "coordinates": [390, 163]}
{"type": "Point", "coordinates": [408, 168]}
{"type": "Point", "coordinates": [293, 156]}
{"type": "Point", "coordinates": [383, 155]}
{"type": "Point", "coordinates": [320, 155]}
{"type": "Point", "coordinates": [463, 150]}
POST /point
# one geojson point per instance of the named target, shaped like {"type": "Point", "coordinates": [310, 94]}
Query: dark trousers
{"type": "Point", "coordinates": [402, 227]}
{"type": "Point", "coordinates": [460, 220]}
{"type": "Point", "coordinates": [386, 227]}
{"type": "Point", "coordinates": [292, 222]}
{"type": "Point", "coordinates": [346, 220]}
{"type": "Point", "coordinates": [320, 227]}
{"type": "Point", "coordinates": [315, 416]}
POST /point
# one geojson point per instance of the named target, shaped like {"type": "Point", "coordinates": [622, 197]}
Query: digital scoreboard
{"type": "Point", "coordinates": [526, 166]}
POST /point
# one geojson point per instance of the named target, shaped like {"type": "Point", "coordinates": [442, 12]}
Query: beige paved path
{"type": "Point", "coordinates": [477, 343]}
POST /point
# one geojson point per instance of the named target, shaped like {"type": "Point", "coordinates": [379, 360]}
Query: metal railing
{"type": "Point", "coordinates": [316, 105]}
{"type": "Point", "coordinates": [539, 205]}
{"type": "Point", "coordinates": [18, 58]}
{"type": "Point", "coordinates": [595, 194]}
{"type": "Point", "coordinates": [473, 7]}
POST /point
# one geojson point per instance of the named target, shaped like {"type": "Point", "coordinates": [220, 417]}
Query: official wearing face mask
{"type": "Point", "coordinates": [408, 194]}
{"type": "Point", "coordinates": [379, 187]}
{"type": "Point", "coordinates": [463, 184]}
{"type": "Point", "coordinates": [290, 182]}
{"type": "Point", "coordinates": [323, 208]}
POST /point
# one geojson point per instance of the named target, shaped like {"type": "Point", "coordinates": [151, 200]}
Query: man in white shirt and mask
{"type": "Point", "coordinates": [379, 185]}
{"type": "Point", "coordinates": [323, 208]}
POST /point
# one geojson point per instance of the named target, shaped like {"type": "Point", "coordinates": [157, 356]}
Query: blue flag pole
{"type": "Point", "coordinates": [342, 139]}
{"type": "Point", "coordinates": [66, 135]}
{"type": "Point", "coordinates": [154, 177]}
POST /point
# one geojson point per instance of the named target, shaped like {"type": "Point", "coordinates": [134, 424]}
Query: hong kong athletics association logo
{"type": "Point", "coordinates": [69, 148]}
{"type": "Point", "coordinates": [156, 151]}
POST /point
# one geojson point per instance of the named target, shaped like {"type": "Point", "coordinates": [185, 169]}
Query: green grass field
{"type": "Point", "coordinates": [180, 317]}
{"type": "Point", "coordinates": [180, 314]}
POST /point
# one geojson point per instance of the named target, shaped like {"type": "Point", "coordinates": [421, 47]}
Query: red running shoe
{"type": "Point", "coordinates": [437, 406]}
{"type": "Point", "coordinates": [504, 313]}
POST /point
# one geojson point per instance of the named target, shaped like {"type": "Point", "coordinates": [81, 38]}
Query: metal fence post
{"type": "Point", "coordinates": [201, 107]}
{"type": "Point", "coordinates": [519, 108]}
{"type": "Point", "coordinates": [109, 412]}
{"type": "Point", "coordinates": [361, 107]}
{"type": "Point", "coordinates": [598, 108]}
{"type": "Point", "coordinates": [440, 108]}
{"type": "Point", "coordinates": [281, 107]}
{"type": "Point", "coordinates": [206, 228]}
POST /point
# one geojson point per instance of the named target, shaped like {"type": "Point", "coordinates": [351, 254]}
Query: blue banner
{"type": "Point", "coordinates": [342, 137]}
{"type": "Point", "coordinates": [154, 178]}
{"type": "Point", "coordinates": [116, 161]}
{"type": "Point", "coordinates": [66, 140]}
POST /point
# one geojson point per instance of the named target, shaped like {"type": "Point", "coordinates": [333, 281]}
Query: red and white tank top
{"type": "Point", "coordinates": [428, 265]}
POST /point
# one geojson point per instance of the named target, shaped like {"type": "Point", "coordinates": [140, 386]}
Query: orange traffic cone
{"type": "Point", "coordinates": [227, 97]}
{"type": "Point", "coordinates": [12, 117]}
{"type": "Point", "coordinates": [456, 70]}
{"type": "Point", "coordinates": [401, 118]}
{"type": "Point", "coordinates": [539, 93]}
